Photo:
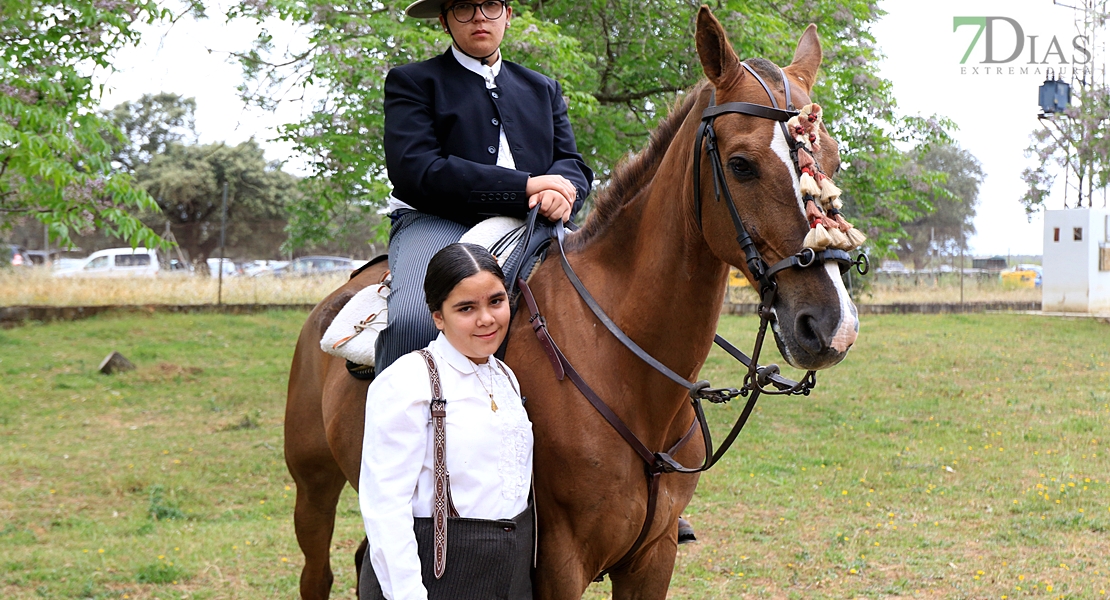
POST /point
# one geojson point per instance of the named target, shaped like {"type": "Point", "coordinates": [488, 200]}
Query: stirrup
{"type": "Point", "coordinates": [685, 532]}
{"type": "Point", "coordinates": [360, 372]}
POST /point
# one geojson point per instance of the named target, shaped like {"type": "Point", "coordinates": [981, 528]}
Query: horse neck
{"type": "Point", "coordinates": [663, 284]}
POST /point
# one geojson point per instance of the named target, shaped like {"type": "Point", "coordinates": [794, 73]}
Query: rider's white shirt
{"type": "Point", "coordinates": [489, 73]}
{"type": "Point", "coordinates": [489, 456]}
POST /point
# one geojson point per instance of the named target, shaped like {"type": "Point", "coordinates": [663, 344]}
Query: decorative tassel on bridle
{"type": "Point", "coordinates": [821, 197]}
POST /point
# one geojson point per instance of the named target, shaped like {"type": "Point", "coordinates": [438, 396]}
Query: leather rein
{"type": "Point", "coordinates": [758, 380]}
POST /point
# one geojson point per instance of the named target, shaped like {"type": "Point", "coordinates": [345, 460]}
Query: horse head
{"type": "Point", "coordinates": [813, 318]}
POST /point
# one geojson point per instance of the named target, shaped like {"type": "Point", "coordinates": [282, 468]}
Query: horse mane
{"type": "Point", "coordinates": [634, 172]}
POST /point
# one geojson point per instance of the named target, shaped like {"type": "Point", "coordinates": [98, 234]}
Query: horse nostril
{"type": "Point", "coordinates": [807, 331]}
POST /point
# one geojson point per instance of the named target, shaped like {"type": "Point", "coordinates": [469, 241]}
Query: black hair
{"type": "Point", "coordinates": [451, 265]}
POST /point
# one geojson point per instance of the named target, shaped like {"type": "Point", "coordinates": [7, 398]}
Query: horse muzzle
{"type": "Point", "coordinates": [815, 337]}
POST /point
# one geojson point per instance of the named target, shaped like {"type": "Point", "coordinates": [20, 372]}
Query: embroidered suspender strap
{"type": "Point", "coordinates": [442, 485]}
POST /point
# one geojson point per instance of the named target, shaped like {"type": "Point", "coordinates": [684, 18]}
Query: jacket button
{"type": "Point", "coordinates": [491, 150]}
{"type": "Point", "coordinates": [494, 94]}
{"type": "Point", "coordinates": [495, 121]}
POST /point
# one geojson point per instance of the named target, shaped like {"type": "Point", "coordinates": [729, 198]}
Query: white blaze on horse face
{"type": "Point", "coordinates": [848, 328]}
{"type": "Point", "coordinates": [782, 150]}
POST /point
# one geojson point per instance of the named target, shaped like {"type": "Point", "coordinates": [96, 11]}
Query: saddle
{"type": "Point", "coordinates": [518, 245]}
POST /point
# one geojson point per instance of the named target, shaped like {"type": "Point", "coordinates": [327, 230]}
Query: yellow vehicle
{"type": "Point", "coordinates": [1027, 276]}
{"type": "Point", "coordinates": [736, 278]}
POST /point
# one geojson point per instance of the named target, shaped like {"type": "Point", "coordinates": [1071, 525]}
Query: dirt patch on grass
{"type": "Point", "coordinates": [168, 372]}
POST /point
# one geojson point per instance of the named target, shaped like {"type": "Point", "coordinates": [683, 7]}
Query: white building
{"type": "Point", "coordinates": [1076, 261]}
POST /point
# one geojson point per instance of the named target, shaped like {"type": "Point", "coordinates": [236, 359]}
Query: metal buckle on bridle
{"type": "Point", "coordinates": [702, 391]}
{"type": "Point", "coordinates": [802, 261]}
{"type": "Point", "coordinates": [862, 264]}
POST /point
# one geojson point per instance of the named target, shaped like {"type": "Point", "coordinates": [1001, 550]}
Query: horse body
{"type": "Point", "coordinates": [659, 268]}
{"type": "Point", "coordinates": [590, 486]}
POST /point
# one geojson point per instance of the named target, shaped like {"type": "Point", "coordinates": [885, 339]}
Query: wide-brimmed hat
{"type": "Point", "coordinates": [425, 9]}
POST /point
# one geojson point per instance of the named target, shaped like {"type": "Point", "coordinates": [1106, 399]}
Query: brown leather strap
{"type": "Point", "coordinates": [655, 466]}
{"type": "Point", "coordinates": [539, 325]}
{"type": "Point", "coordinates": [439, 459]}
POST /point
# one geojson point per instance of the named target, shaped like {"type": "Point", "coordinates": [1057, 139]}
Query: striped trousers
{"type": "Point", "coordinates": [414, 238]}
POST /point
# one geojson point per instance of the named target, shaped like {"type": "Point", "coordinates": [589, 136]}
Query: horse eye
{"type": "Point", "coordinates": [742, 168]}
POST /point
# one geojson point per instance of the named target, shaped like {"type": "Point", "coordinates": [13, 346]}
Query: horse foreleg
{"type": "Point", "coordinates": [559, 573]}
{"type": "Point", "coordinates": [649, 576]}
{"type": "Point", "coordinates": [314, 520]}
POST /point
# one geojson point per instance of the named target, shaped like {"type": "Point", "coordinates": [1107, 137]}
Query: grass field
{"type": "Point", "coordinates": [959, 456]}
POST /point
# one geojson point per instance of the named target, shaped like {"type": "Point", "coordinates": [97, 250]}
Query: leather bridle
{"type": "Point", "coordinates": [761, 271]}
{"type": "Point", "coordinates": [758, 380]}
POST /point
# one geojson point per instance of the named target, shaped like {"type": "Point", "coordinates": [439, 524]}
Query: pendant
{"type": "Point", "coordinates": [492, 404]}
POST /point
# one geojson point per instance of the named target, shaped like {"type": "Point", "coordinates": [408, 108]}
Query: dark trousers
{"type": "Point", "coordinates": [414, 238]}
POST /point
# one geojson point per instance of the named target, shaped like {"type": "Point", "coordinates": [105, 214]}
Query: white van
{"type": "Point", "coordinates": [117, 262]}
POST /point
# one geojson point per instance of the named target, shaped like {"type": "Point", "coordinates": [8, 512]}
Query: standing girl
{"type": "Point", "coordinates": [447, 436]}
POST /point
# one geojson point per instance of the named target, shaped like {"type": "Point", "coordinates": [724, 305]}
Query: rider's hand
{"type": "Point", "coordinates": [553, 205]}
{"type": "Point", "coordinates": [555, 183]}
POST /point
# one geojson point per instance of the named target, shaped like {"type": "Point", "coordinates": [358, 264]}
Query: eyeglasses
{"type": "Point", "coordinates": [465, 11]}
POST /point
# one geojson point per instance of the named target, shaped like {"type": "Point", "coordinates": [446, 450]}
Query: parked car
{"type": "Point", "coordinates": [67, 264]}
{"type": "Point", "coordinates": [256, 268]}
{"type": "Point", "coordinates": [12, 255]}
{"type": "Point", "coordinates": [230, 268]}
{"type": "Point", "coordinates": [893, 266]}
{"type": "Point", "coordinates": [316, 265]}
{"type": "Point", "coordinates": [43, 258]}
{"type": "Point", "coordinates": [117, 262]}
{"type": "Point", "coordinates": [1023, 275]}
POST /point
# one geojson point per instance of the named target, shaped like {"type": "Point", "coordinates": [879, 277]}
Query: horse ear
{"type": "Point", "coordinates": [718, 59]}
{"type": "Point", "coordinates": [807, 57]}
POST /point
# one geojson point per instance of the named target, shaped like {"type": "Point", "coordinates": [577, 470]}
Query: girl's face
{"type": "Point", "coordinates": [481, 36]}
{"type": "Point", "coordinates": [475, 316]}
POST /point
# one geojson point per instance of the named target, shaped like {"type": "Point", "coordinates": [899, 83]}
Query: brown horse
{"type": "Point", "coordinates": [660, 271]}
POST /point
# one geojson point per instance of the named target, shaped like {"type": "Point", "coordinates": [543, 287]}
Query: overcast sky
{"type": "Point", "coordinates": [995, 112]}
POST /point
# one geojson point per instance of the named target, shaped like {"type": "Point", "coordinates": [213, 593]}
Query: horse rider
{"type": "Point", "coordinates": [468, 135]}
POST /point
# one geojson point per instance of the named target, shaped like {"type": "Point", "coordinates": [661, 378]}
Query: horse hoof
{"type": "Point", "coordinates": [686, 532]}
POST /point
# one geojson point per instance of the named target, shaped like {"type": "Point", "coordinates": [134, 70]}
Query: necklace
{"type": "Point", "coordinates": [489, 390]}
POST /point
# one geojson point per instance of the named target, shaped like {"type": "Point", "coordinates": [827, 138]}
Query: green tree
{"type": "Point", "coordinates": [946, 227]}
{"type": "Point", "coordinates": [187, 182]}
{"type": "Point", "coordinates": [149, 125]}
{"type": "Point", "coordinates": [1074, 142]}
{"type": "Point", "coordinates": [621, 63]}
{"type": "Point", "coordinates": [54, 162]}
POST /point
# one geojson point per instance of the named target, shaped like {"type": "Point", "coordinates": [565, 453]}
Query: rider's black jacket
{"type": "Point", "coordinates": [442, 129]}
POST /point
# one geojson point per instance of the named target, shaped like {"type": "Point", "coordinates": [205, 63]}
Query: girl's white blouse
{"type": "Point", "coordinates": [489, 456]}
